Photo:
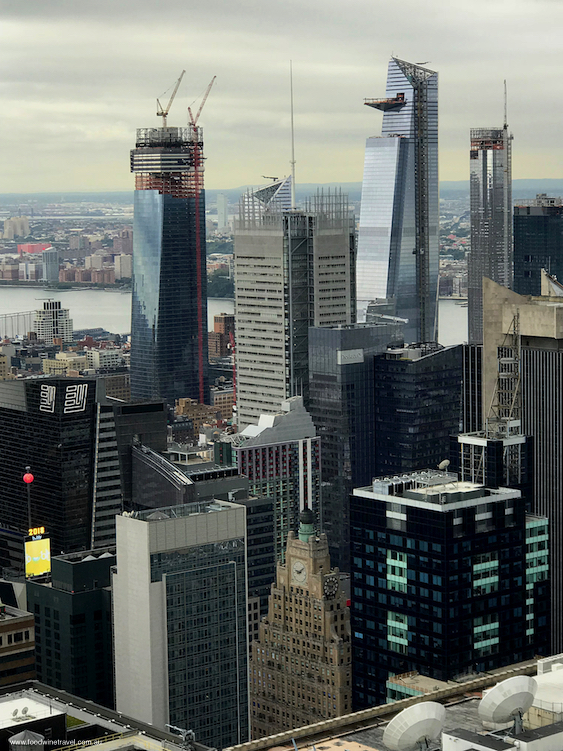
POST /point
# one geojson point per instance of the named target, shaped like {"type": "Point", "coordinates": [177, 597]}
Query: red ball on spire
{"type": "Point", "coordinates": [28, 478]}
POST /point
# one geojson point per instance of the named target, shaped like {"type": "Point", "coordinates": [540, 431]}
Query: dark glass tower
{"type": "Point", "coordinates": [538, 243]}
{"type": "Point", "coordinates": [169, 313]}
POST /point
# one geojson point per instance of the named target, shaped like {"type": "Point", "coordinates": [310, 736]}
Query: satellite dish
{"type": "Point", "coordinates": [25, 710]}
{"type": "Point", "coordinates": [15, 713]}
{"type": "Point", "coordinates": [444, 464]}
{"type": "Point", "coordinates": [414, 726]}
{"type": "Point", "coordinates": [508, 701]}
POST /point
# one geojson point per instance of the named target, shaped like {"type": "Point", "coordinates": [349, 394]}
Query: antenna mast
{"type": "Point", "coordinates": [505, 107]}
{"type": "Point", "coordinates": [292, 137]}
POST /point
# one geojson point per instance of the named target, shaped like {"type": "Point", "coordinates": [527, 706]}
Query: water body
{"type": "Point", "coordinates": [111, 309]}
{"type": "Point", "coordinates": [91, 308]}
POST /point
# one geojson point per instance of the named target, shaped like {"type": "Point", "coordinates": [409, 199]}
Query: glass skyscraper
{"type": "Point", "coordinates": [169, 310]}
{"type": "Point", "coordinates": [398, 238]}
{"type": "Point", "coordinates": [491, 219]}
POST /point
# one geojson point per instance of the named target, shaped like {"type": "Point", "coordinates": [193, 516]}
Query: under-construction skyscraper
{"type": "Point", "coordinates": [169, 313]}
{"type": "Point", "coordinates": [398, 238]}
{"type": "Point", "coordinates": [491, 219]}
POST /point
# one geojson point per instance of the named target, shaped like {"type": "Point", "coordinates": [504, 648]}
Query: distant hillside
{"type": "Point", "coordinates": [526, 188]}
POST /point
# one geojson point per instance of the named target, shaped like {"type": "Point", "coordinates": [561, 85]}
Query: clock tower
{"type": "Point", "coordinates": [301, 662]}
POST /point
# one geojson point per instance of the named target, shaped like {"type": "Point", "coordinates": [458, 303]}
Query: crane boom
{"type": "Point", "coordinates": [163, 113]}
{"type": "Point", "coordinates": [196, 118]}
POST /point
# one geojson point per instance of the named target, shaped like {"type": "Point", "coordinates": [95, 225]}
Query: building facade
{"type": "Point", "coordinates": [448, 578]}
{"type": "Point", "coordinates": [180, 601]}
{"type": "Point", "coordinates": [293, 270]}
{"type": "Point", "coordinates": [169, 304]}
{"type": "Point", "coordinates": [300, 671]}
{"type": "Point", "coordinates": [74, 647]}
{"type": "Point", "coordinates": [53, 322]}
{"type": "Point", "coordinates": [281, 457]}
{"type": "Point", "coordinates": [342, 406]}
{"type": "Point", "coordinates": [491, 219]}
{"type": "Point", "coordinates": [398, 250]}
{"type": "Point", "coordinates": [538, 242]}
{"type": "Point", "coordinates": [527, 334]}
{"type": "Point", "coordinates": [418, 396]}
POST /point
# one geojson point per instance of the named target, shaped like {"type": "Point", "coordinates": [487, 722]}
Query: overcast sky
{"type": "Point", "coordinates": [78, 76]}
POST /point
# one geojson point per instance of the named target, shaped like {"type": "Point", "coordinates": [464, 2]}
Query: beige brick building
{"type": "Point", "coordinates": [301, 671]}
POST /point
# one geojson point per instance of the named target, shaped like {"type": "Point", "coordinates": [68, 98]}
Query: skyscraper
{"type": "Point", "coordinates": [523, 340]}
{"type": "Point", "coordinates": [398, 238]}
{"type": "Point", "coordinates": [281, 456]}
{"type": "Point", "coordinates": [307, 673]}
{"type": "Point", "coordinates": [538, 242]}
{"type": "Point", "coordinates": [293, 269]}
{"type": "Point", "coordinates": [169, 308]}
{"type": "Point", "coordinates": [448, 577]}
{"type": "Point", "coordinates": [342, 405]}
{"type": "Point", "coordinates": [491, 219]}
{"type": "Point", "coordinates": [53, 321]}
{"type": "Point", "coordinates": [179, 612]}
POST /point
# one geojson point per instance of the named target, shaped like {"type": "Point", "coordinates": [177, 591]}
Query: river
{"type": "Point", "coordinates": [111, 309]}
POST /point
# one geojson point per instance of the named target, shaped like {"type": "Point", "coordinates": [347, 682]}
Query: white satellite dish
{"type": "Point", "coordinates": [414, 726]}
{"type": "Point", "coordinates": [444, 464]}
{"type": "Point", "coordinates": [25, 710]}
{"type": "Point", "coordinates": [508, 701]}
{"type": "Point", "coordinates": [15, 713]}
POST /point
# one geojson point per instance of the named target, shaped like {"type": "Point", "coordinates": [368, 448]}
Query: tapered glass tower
{"type": "Point", "coordinates": [398, 238]}
{"type": "Point", "coordinates": [169, 314]}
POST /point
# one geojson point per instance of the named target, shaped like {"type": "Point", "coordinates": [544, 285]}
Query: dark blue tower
{"type": "Point", "coordinates": [169, 313]}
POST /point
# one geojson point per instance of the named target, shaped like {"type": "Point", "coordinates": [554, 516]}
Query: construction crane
{"type": "Point", "coordinates": [163, 113]}
{"type": "Point", "coordinates": [193, 120]}
{"type": "Point", "coordinates": [269, 177]}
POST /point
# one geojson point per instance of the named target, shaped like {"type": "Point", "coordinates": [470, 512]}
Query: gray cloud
{"type": "Point", "coordinates": [79, 76]}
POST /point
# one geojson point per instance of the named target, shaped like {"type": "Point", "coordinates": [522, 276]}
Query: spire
{"type": "Point", "coordinates": [306, 525]}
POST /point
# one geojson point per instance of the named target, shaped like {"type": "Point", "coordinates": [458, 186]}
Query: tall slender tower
{"type": "Point", "coordinates": [169, 313]}
{"type": "Point", "coordinates": [491, 219]}
{"type": "Point", "coordinates": [293, 269]}
{"type": "Point", "coordinates": [398, 238]}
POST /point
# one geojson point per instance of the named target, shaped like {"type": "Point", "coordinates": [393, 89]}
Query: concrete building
{"type": "Point", "coordinates": [307, 617]}
{"type": "Point", "coordinates": [222, 212]}
{"type": "Point", "coordinates": [53, 321]}
{"type": "Point", "coordinates": [123, 266]}
{"type": "Point", "coordinates": [491, 219]}
{"type": "Point", "coordinates": [342, 406]}
{"type": "Point", "coordinates": [17, 645]}
{"type": "Point", "coordinates": [281, 458]}
{"type": "Point", "coordinates": [293, 270]}
{"type": "Point", "coordinates": [63, 362]}
{"type": "Point", "coordinates": [448, 577]}
{"type": "Point", "coordinates": [538, 242]}
{"type": "Point", "coordinates": [104, 358]}
{"type": "Point", "coordinates": [526, 333]}
{"type": "Point", "coordinates": [180, 601]}
{"type": "Point", "coordinates": [38, 716]}
{"type": "Point", "coordinates": [74, 648]}
{"type": "Point", "coordinates": [398, 254]}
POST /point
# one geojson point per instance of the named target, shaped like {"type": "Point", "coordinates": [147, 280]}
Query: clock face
{"type": "Point", "coordinates": [330, 586]}
{"type": "Point", "coordinates": [299, 572]}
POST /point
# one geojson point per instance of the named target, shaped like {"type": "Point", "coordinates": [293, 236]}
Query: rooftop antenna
{"type": "Point", "coordinates": [160, 111]}
{"type": "Point", "coordinates": [505, 107]}
{"type": "Point", "coordinates": [508, 701]}
{"type": "Point", "coordinates": [414, 727]}
{"type": "Point", "coordinates": [292, 138]}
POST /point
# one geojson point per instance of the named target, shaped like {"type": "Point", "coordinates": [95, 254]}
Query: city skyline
{"type": "Point", "coordinates": [88, 84]}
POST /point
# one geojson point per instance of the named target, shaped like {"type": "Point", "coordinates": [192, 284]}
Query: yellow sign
{"type": "Point", "coordinates": [37, 557]}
